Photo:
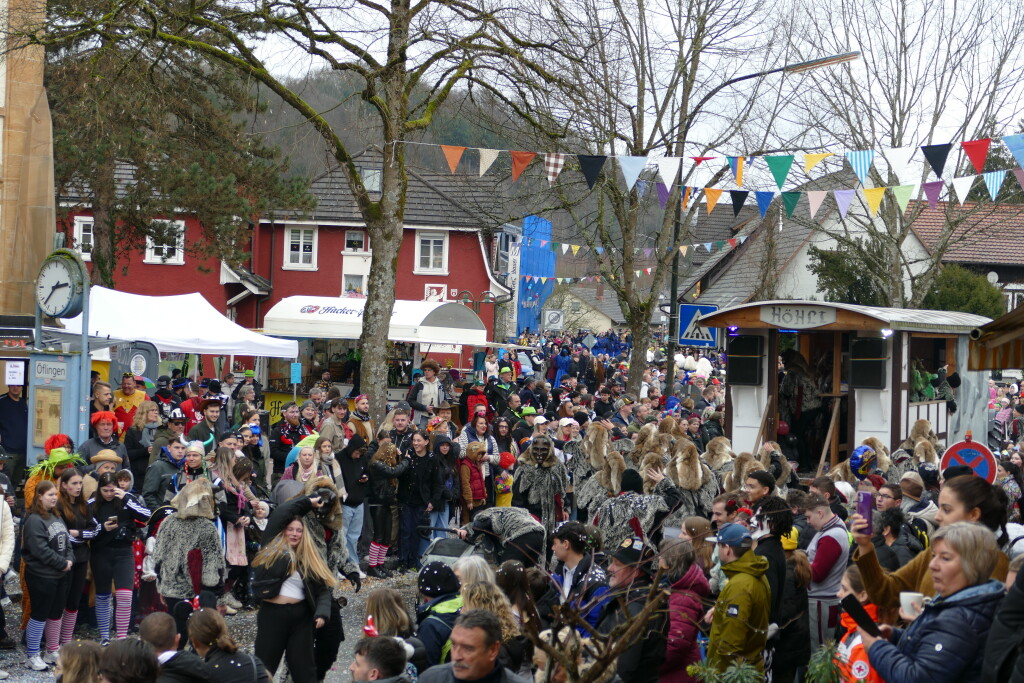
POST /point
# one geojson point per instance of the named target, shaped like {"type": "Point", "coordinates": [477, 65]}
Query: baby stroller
{"type": "Point", "coordinates": [451, 549]}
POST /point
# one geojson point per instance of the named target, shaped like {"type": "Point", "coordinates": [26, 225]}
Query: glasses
{"type": "Point", "coordinates": [884, 496]}
{"type": "Point", "coordinates": [127, 375]}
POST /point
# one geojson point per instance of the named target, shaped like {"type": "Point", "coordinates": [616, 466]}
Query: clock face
{"type": "Point", "coordinates": [57, 289]}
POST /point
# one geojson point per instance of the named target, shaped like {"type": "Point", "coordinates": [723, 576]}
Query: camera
{"type": "Point", "coordinates": [326, 495]}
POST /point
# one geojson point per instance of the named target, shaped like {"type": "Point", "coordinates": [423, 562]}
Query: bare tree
{"type": "Point", "coordinates": [932, 72]}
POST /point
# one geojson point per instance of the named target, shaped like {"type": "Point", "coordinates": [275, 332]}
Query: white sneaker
{"type": "Point", "coordinates": [229, 610]}
{"type": "Point", "coordinates": [4, 674]}
{"type": "Point", "coordinates": [362, 574]}
{"type": "Point", "coordinates": [50, 657]}
{"type": "Point", "coordinates": [35, 663]}
{"type": "Point", "coordinates": [231, 601]}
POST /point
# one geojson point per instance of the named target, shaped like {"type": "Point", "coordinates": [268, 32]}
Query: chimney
{"type": "Point", "coordinates": [600, 291]}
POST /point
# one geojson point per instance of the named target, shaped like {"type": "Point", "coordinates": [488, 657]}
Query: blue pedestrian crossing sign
{"type": "Point", "coordinates": [690, 331]}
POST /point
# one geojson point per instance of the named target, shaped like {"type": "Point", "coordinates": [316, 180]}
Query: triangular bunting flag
{"type": "Point", "coordinates": [553, 164]}
{"type": "Point", "coordinates": [599, 250]}
{"type": "Point", "coordinates": [565, 248]}
{"type": "Point", "coordinates": [631, 167]}
{"type": "Point", "coordinates": [743, 239]}
{"type": "Point", "coordinates": [790, 200]}
{"type": "Point", "coordinates": [452, 154]}
{"type": "Point", "coordinates": [874, 197]}
{"type": "Point", "coordinates": [764, 200]}
{"type": "Point", "coordinates": [936, 156]}
{"type": "Point", "coordinates": [647, 252]}
{"type": "Point", "coordinates": [861, 160]}
{"type": "Point", "coordinates": [994, 181]}
{"type": "Point", "coordinates": [779, 166]}
{"type": "Point", "coordinates": [707, 247]}
{"type": "Point", "coordinates": [739, 198]}
{"type": "Point", "coordinates": [543, 280]}
{"type": "Point", "coordinates": [736, 164]}
{"type": "Point", "coordinates": [1015, 143]}
{"type": "Point", "coordinates": [555, 245]}
{"type": "Point", "coordinates": [662, 194]}
{"type": "Point", "coordinates": [668, 169]}
{"type": "Point", "coordinates": [898, 159]}
{"type": "Point", "coordinates": [647, 271]}
{"type": "Point", "coordinates": [575, 249]}
{"type": "Point", "coordinates": [520, 160]}
{"type": "Point", "coordinates": [698, 160]}
{"type": "Point", "coordinates": [529, 277]}
{"type": "Point", "coordinates": [686, 196]}
{"type": "Point", "coordinates": [590, 165]}
{"type": "Point", "coordinates": [977, 151]}
{"type": "Point", "coordinates": [720, 245]}
{"type": "Point", "coordinates": [1019, 173]}
{"type": "Point", "coordinates": [732, 243]}
{"type": "Point", "coordinates": [636, 273]}
{"type": "Point", "coordinates": [902, 193]}
{"type": "Point", "coordinates": [712, 195]}
{"type": "Point", "coordinates": [543, 243]}
{"type": "Point", "coordinates": [812, 160]}
{"type": "Point", "coordinates": [682, 249]}
{"type": "Point", "coordinates": [814, 199]}
{"type": "Point", "coordinates": [843, 199]}
{"type": "Point", "coordinates": [487, 157]}
{"type": "Point", "coordinates": [933, 191]}
{"type": "Point", "coordinates": [962, 187]}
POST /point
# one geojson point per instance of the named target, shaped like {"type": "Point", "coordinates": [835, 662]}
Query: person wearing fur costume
{"type": "Point", "coordinates": [881, 463]}
{"type": "Point", "coordinates": [188, 555]}
{"type": "Point", "coordinates": [541, 482]}
{"type": "Point", "coordinates": [514, 532]}
{"type": "Point", "coordinates": [744, 464]}
{"type": "Point", "coordinates": [598, 474]}
{"type": "Point", "coordinates": [913, 451]}
{"type": "Point", "coordinates": [634, 513]}
{"type": "Point", "coordinates": [776, 464]}
{"type": "Point", "coordinates": [696, 483]}
{"type": "Point", "coordinates": [718, 457]}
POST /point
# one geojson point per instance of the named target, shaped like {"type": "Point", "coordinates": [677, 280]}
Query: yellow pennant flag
{"type": "Point", "coordinates": [812, 160]}
{"type": "Point", "coordinates": [712, 196]}
{"type": "Point", "coordinates": [874, 196]}
{"type": "Point", "coordinates": [575, 249]}
{"type": "Point", "coordinates": [683, 248]}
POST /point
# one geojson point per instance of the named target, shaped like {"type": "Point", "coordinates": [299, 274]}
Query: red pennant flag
{"type": "Point", "coordinates": [697, 160]}
{"type": "Point", "coordinates": [452, 154]}
{"type": "Point", "coordinates": [520, 160]}
{"type": "Point", "coordinates": [1019, 173]}
{"type": "Point", "coordinates": [732, 243]}
{"type": "Point", "coordinates": [976, 151]}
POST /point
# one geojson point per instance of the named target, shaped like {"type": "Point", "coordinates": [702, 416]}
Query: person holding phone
{"type": "Point", "coordinates": [46, 550]}
{"type": "Point", "coordinates": [851, 657]}
{"type": "Point", "coordinates": [73, 509]}
{"type": "Point", "coordinates": [113, 561]}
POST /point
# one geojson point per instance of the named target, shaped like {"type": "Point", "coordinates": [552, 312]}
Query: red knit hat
{"type": "Point", "coordinates": [507, 460]}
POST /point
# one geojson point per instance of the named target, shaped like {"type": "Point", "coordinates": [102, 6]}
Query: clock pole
{"type": "Point", "coordinates": [84, 372]}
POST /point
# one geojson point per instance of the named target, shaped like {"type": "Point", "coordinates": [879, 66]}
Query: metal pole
{"type": "Point", "coordinates": [673, 315]}
{"type": "Point", "coordinates": [86, 366]}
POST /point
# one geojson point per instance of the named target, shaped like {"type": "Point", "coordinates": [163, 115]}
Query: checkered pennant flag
{"type": "Point", "coordinates": [553, 164]}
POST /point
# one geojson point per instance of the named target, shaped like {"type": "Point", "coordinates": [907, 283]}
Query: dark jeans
{"type": "Point", "coordinates": [47, 595]}
{"type": "Point", "coordinates": [327, 642]}
{"type": "Point", "coordinates": [113, 565]}
{"type": "Point", "coordinates": [528, 549]}
{"type": "Point", "coordinates": [286, 630]}
{"type": "Point", "coordinates": [409, 542]}
{"type": "Point", "coordinates": [381, 524]}
{"type": "Point", "coordinates": [75, 585]}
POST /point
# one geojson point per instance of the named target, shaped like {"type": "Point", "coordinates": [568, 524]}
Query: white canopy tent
{"type": "Point", "coordinates": [423, 322]}
{"type": "Point", "coordinates": [198, 328]}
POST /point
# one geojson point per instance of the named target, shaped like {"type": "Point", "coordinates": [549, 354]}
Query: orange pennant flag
{"type": "Point", "coordinates": [520, 160]}
{"type": "Point", "coordinates": [452, 154]}
{"type": "Point", "coordinates": [712, 195]}
{"type": "Point", "coordinates": [686, 196]}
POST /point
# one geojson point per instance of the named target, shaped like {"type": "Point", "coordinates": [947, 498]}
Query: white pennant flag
{"type": "Point", "coordinates": [962, 186]}
{"type": "Point", "coordinates": [898, 159]}
{"type": "Point", "coordinates": [487, 157]}
{"type": "Point", "coordinates": [814, 199]}
{"type": "Point", "coordinates": [631, 167]}
{"type": "Point", "coordinates": [668, 169]}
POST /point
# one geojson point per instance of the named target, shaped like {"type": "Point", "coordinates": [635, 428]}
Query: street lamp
{"type": "Point", "coordinates": [673, 319]}
{"type": "Point", "coordinates": [467, 298]}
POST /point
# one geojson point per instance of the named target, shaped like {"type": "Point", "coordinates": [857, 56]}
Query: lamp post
{"type": "Point", "coordinates": [673, 318]}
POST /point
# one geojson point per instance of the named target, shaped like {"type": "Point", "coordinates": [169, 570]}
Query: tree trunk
{"type": "Point", "coordinates": [104, 240]}
{"type": "Point", "coordinates": [640, 327]}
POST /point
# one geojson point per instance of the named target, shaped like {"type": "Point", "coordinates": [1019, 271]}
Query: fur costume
{"type": "Point", "coordinates": [667, 426]}
{"type": "Point", "coordinates": [882, 460]}
{"type": "Point", "coordinates": [329, 522]}
{"type": "Point", "coordinates": [651, 460]}
{"type": "Point", "coordinates": [614, 515]}
{"type": "Point", "coordinates": [764, 456]}
{"type": "Point", "coordinates": [925, 451]}
{"type": "Point", "coordinates": [744, 464]}
{"type": "Point", "coordinates": [883, 463]}
{"type": "Point", "coordinates": [507, 523]}
{"type": "Point", "coordinates": [694, 480]}
{"type": "Point", "coordinates": [189, 541]}
{"type": "Point", "coordinates": [597, 472]}
{"type": "Point", "coordinates": [842, 472]}
{"type": "Point", "coordinates": [911, 451]}
{"type": "Point", "coordinates": [719, 457]}
{"type": "Point", "coordinates": [539, 478]}
{"type": "Point", "coordinates": [922, 429]}
{"type": "Point", "coordinates": [646, 440]}
{"type": "Point", "coordinates": [901, 462]}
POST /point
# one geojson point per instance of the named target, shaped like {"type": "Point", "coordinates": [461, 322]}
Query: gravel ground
{"type": "Point", "coordinates": [242, 625]}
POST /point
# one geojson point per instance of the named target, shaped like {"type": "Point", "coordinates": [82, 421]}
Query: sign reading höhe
{"type": "Point", "coordinates": [797, 317]}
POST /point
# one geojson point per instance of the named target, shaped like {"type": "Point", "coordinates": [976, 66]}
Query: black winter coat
{"type": "Point", "coordinates": [641, 663]}
{"type": "Point", "coordinates": [382, 491]}
{"type": "Point", "coordinates": [1003, 661]}
{"type": "Point", "coordinates": [421, 483]}
{"type": "Point", "coordinates": [318, 596]}
{"type": "Point", "coordinates": [770, 548]}
{"type": "Point", "coordinates": [240, 667]}
{"type": "Point", "coordinates": [186, 667]}
{"type": "Point", "coordinates": [793, 644]}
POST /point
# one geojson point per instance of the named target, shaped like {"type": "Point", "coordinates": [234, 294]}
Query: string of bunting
{"type": "Point", "coordinates": [900, 161]}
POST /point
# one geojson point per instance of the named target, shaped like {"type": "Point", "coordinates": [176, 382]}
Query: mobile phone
{"type": "Point", "coordinates": [866, 507]}
{"type": "Point", "coordinates": [860, 615]}
{"type": "Point", "coordinates": [112, 518]}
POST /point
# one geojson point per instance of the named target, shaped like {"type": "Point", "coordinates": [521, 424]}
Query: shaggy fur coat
{"type": "Point", "coordinates": [695, 481]}
{"type": "Point", "coordinates": [615, 514]}
{"type": "Point", "coordinates": [326, 528]}
{"type": "Point", "coordinates": [744, 464]}
{"type": "Point", "coordinates": [189, 533]}
{"type": "Point", "coordinates": [718, 457]}
{"type": "Point", "coordinates": [539, 479]}
{"type": "Point", "coordinates": [597, 472]}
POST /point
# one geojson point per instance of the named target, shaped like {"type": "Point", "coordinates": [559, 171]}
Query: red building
{"type": "Point", "coordinates": [448, 247]}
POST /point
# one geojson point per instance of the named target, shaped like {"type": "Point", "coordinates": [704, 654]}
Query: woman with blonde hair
{"type": "Point", "coordinates": [386, 615]}
{"type": "Point", "coordinates": [473, 569]}
{"type": "Point", "coordinates": [487, 596]}
{"type": "Point", "coordinates": [210, 638]}
{"type": "Point", "coordinates": [139, 438]}
{"type": "Point", "coordinates": [696, 530]}
{"type": "Point", "coordinates": [295, 584]}
{"type": "Point", "coordinates": [79, 662]}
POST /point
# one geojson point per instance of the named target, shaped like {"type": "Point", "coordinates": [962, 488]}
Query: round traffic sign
{"type": "Point", "coordinates": [975, 455]}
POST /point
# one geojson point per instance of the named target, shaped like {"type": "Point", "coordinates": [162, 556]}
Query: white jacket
{"type": "Point", "coordinates": [6, 536]}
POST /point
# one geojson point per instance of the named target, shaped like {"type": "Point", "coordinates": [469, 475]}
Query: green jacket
{"type": "Point", "coordinates": [739, 628]}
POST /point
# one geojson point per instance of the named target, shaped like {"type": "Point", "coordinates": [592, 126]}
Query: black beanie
{"type": "Point", "coordinates": [437, 579]}
{"type": "Point", "coordinates": [632, 481]}
{"type": "Point", "coordinates": [956, 471]}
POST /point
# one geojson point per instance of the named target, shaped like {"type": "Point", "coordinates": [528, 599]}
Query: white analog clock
{"type": "Point", "coordinates": [60, 285]}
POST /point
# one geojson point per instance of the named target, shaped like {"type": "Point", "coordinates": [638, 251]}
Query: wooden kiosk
{"type": "Point", "coordinates": [863, 358]}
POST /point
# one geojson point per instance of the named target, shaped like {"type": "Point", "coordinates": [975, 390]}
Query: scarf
{"type": "Point", "coordinates": [148, 431]}
{"type": "Point", "coordinates": [304, 475]}
{"type": "Point", "coordinates": [365, 417]}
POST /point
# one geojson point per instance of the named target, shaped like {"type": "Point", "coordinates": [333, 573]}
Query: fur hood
{"type": "Point", "coordinates": [596, 445]}
{"type": "Point", "coordinates": [195, 500]}
{"type": "Point", "coordinates": [842, 472]}
{"type": "Point", "coordinates": [924, 451]}
{"type": "Point", "coordinates": [922, 429]}
{"type": "Point", "coordinates": [882, 460]}
{"type": "Point", "coordinates": [667, 425]}
{"type": "Point", "coordinates": [541, 453]}
{"type": "Point", "coordinates": [329, 517]}
{"type": "Point", "coordinates": [476, 451]}
{"type": "Point", "coordinates": [718, 453]}
{"type": "Point", "coordinates": [685, 468]}
{"type": "Point", "coordinates": [744, 464]}
{"type": "Point", "coordinates": [386, 454]}
{"type": "Point", "coordinates": [646, 440]}
{"type": "Point", "coordinates": [651, 460]}
{"type": "Point", "coordinates": [764, 456]}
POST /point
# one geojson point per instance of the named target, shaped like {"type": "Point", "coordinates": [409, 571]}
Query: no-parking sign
{"type": "Point", "coordinates": [975, 455]}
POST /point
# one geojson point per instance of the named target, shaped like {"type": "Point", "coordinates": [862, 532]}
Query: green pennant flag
{"type": "Point", "coordinates": [902, 194]}
{"type": "Point", "coordinates": [555, 246]}
{"type": "Point", "coordinates": [779, 166]}
{"type": "Point", "coordinates": [720, 245]}
{"type": "Point", "coordinates": [790, 200]}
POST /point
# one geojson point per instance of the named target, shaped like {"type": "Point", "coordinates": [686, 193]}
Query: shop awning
{"type": "Point", "coordinates": [423, 322]}
{"type": "Point", "coordinates": [183, 323]}
{"type": "Point", "coordinates": [999, 345]}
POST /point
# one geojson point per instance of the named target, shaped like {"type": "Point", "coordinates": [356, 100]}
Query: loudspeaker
{"type": "Point", "coordinates": [745, 354]}
{"type": "Point", "coordinates": [867, 364]}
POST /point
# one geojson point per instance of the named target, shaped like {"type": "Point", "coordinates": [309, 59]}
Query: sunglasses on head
{"type": "Point", "coordinates": [127, 375]}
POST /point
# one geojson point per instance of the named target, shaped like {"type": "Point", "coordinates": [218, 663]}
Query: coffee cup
{"type": "Point", "coordinates": [913, 603]}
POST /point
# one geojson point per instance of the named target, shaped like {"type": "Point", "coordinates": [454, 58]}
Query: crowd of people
{"type": "Point", "coordinates": [552, 523]}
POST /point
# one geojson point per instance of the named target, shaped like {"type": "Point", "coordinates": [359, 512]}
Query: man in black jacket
{"type": "Point", "coordinates": [159, 631]}
{"type": "Point", "coordinates": [355, 463]}
{"type": "Point", "coordinates": [773, 519]}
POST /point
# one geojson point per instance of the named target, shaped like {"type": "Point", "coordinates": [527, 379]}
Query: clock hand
{"type": "Point", "coordinates": [53, 289]}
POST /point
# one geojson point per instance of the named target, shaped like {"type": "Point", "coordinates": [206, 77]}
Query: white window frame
{"type": "Point", "coordinates": [286, 263]}
{"type": "Point", "coordinates": [362, 287]}
{"type": "Point", "coordinates": [373, 178]}
{"type": "Point", "coordinates": [366, 241]}
{"type": "Point", "coordinates": [179, 251]}
{"type": "Point", "coordinates": [431, 234]}
{"type": "Point", "coordinates": [79, 230]}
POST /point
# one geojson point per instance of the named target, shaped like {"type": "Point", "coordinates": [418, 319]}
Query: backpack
{"type": "Point", "coordinates": [917, 529]}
